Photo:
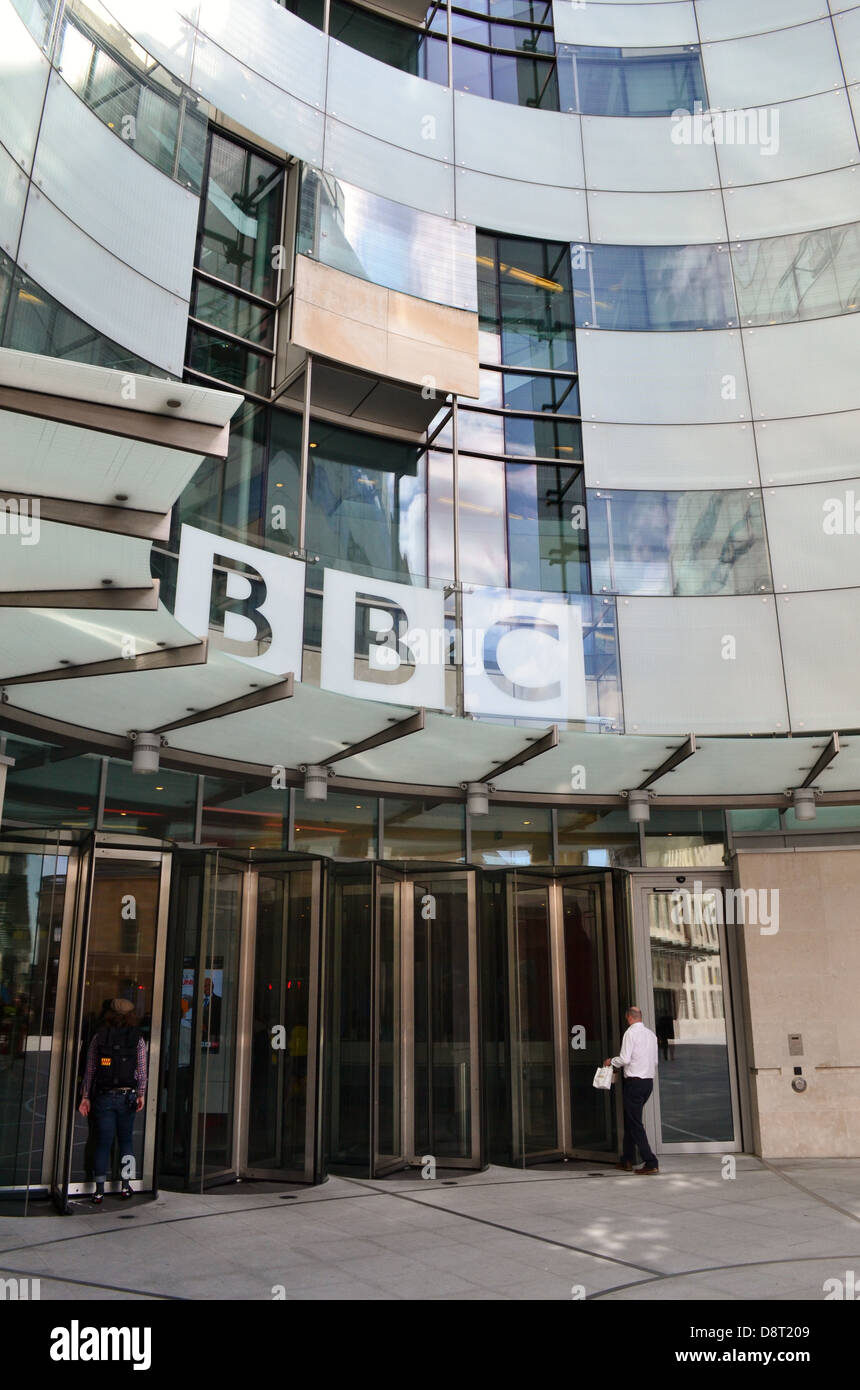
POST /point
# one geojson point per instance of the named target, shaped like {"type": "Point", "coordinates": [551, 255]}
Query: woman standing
{"type": "Point", "coordinates": [114, 1085]}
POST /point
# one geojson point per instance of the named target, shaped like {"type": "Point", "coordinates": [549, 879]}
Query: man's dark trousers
{"type": "Point", "coordinates": [636, 1090]}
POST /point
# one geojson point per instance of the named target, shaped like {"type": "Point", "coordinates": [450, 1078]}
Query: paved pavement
{"type": "Point", "coordinates": [774, 1232]}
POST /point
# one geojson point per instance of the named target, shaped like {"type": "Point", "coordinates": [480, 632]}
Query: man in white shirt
{"type": "Point", "coordinates": [638, 1057]}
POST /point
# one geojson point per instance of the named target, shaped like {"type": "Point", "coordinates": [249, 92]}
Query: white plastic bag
{"type": "Point", "coordinates": [603, 1078]}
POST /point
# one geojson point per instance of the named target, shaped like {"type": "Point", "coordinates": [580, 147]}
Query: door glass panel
{"type": "Point", "coordinates": [350, 956]}
{"type": "Point", "coordinates": [32, 893]}
{"type": "Point", "coordinates": [282, 989]}
{"type": "Point", "coordinates": [443, 1049]}
{"type": "Point", "coordinates": [687, 966]}
{"type": "Point", "coordinates": [534, 990]}
{"type": "Point", "coordinates": [388, 1034]}
{"type": "Point", "coordinates": [209, 985]}
{"type": "Point", "coordinates": [592, 1111]}
{"type": "Point", "coordinates": [120, 964]}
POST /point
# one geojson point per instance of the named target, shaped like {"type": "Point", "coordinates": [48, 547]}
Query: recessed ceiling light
{"type": "Point", "coordinates": [159, 789]}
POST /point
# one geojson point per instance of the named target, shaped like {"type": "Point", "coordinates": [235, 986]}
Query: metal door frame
{"type": "Point", "coordinates": [383, 1164]}
{"type": "Point", "coordinates": [407, 917]}
{"type": "Point", "coordinates": [248, 947]}
{"type": "Point", "coordinates": [539, 879]}
{"type": "Point", "coordinates": [643, 883]}
{"type": "Point", "coordinates": [99, 849]}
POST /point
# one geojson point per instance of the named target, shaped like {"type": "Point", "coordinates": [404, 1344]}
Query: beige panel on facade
{"type": "Point", "coordinates": [346, 319]}
{"type": "Point", "coordinates": [802, 979]}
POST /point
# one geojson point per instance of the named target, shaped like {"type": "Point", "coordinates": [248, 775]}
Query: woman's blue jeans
{"type": "Point", "coordinates": [114, 1119]}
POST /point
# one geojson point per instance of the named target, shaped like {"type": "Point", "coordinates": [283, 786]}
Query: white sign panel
{"type": "Point", "coordinates": [522, 656]}
{"type": "Point", "coordinates": [282, 609]}
{"type": "Point", "coordinates": [406, 643]}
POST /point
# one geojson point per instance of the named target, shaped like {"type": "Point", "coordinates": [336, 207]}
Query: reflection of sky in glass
{"type": "Point", "coordinates": [394, 245]}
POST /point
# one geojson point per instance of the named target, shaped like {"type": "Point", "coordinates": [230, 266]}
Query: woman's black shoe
{"type": "Point", "coordinates": [126, 1191]}
{"type": "Point", "coordinates": [98, 1198]}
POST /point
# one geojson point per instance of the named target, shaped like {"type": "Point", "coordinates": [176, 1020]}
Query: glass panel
{"type": "Point", "coordinates": [424, 830]}
{"type": "Point", "coordinates": [214, 995]}
{"type": "Point", "coordinates": [542, 438]}
{"type": "Point", "coordinates": [547, 536]}
{"type": "Point", "coordinates": [529, 40]}
{"type": "Point", "coordinates": [227, 495]}
{"type": "Point", "coordinates": [366, 504]}
{"type": "Point", "coordinates": [629, 82]}
{"type": "Point", "coordinates": [242, 218]}
{"type": "Point", "coordinates": [341, 827]}
{"type": "Point", "coordinates": [442, 993]}
{"type": "Point", "coordinates": [282, 991]}
{"type": "Point", "coordinates": [229, 361]}
{"type": "Point", "coordinates": [388, 1030]}
{"type": "Point", "coordinates": [556, 395]}
{"type": "Point", "coordinates": [46, 787]}
{"type": "Point", "coordinates": [130, 92]}
{"type": "Point", "coordinates": [120, 964]}
{"type": "Point", "coordinates": [349, 1089]}
{"type": "Point", "coordinates": [385, 242]}
{"type": "Point", "coordinates": [604, 839]}
{"type": "Point", "coordinates": [585, 963]}
{"type": "Point", "coordinates": [35, 322]}
{"type": "Point", "coordinates": [311, 11]}
{"type": "Point", "coordinates": [180, 1052]}
{"type": "Point", "coordinates": [657, 288]}
{"type": "Point", "coordinates": [524, 81]}
{"type": "Point", "coordinates": [472, 71]}
{"type": "Point", "coordinates": [685, 839]}
{"type": "Point", "coordinates": [32, 894]}
{"type": "Point", "coordinates": [681, 543]}
{"type": "Point", "coordinates": [687, 970]}
{"type": "Point", "coordinates": [512, 835]}
{"type": "Point", "coordinates": [161, 806]}
{"type": "Point", "coordinates": [36, 14]}
{"type": "Point", "coordinates": [814, 275]}
{"type": "Point", "coordinates": [440, 498]}
{"type": "Point", "coordinates": [233, 313]}
{"type": "Point", "coordinates": [236, 815]}
{"type": "Point", "coordinates": [399, 45]}
{"type": "Point", "coordinates": [536, 304]}
{"type": "Point", "coordinates": [483, 557]}
{"type": "Point", "coordinates": [283, 476]}
{"type": "Point", "coordinates": [764, 818]}
{"type": "Point", "coordinates": [539, 1126]}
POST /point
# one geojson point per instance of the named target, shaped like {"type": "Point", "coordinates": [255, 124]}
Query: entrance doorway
{"type": "Point", "coordinates": [562, 968]}
{"type": "Point", "coordinates": [686, 959]}
{"type": "Point", "coordinates": [114, 950]}
{"type": "Point", "coordinates": [242, 1019]}
{"type": "Point", "coordinates": [403, 1079]}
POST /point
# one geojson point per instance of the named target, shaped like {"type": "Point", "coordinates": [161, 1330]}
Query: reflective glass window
{"type": "Point", "coordinates": [385, 242]}
{"type": "Point", "coordinates": [512, 835]}
{"type": "Point", "coordinates": [547, 537]}
{"type": "Point", "coordinates": [215, 355]}
{"type": "Point", "coordinates": [529, 40]}
{"type": "Point", "coordinates": [428, 830]}
{"type": "Point", "coordinates": [811, 275]}
{"type": "Point", "coordinates": [535, 303]}
{"type": "Point", "coordinates": [47, 787]}
{"type": "Point", "coordinates": [367, 504]}
{"type": "Point", "coordinates": [161, 805]}
{"type": "Point", "coordinates": [241, 218]}
{"type": "Point", "coordinates": [686, 838]}
{"type": "Point", "coordinates": [681, 543]}
{"type": "Point", "coordinates": [399, 45]}
{"type": "Point", "coordinates": [629, 82]}
{"type": "Point", "coordinates": [597, 838]}
{"type": "Point", "coordinates": [227, 494]}
{"type": "Point", "coordinates": [440, 498]}
{"type": "Point", "coordinates": [524, 81]}
{"type": "Point", "coordinates": [34, 322]}
{"type": "Point", "coordinates": [539, 437]}
{"type": "Point", "coordinates": [341, 827]}
{"type": "Point", "coordinates": [283, 476]}
{"type": "Point", "coordinates": [653, 287]}
{"type": "Point", "coordinates": [554, 395]}
{"type": "Point", "coordinates": [471, 68]}
{"type": "Point", "coordinates": [233, 312]}
{"type": "Point", "coordinates": [311, 11]}
{"type": "Point", "coordinates": [244, 816]}
{"type": "Point", "coordinates": [483, 558]}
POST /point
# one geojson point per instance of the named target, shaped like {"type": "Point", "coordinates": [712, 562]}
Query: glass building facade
{"type": "Point", "coordinates": [450, 417]}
